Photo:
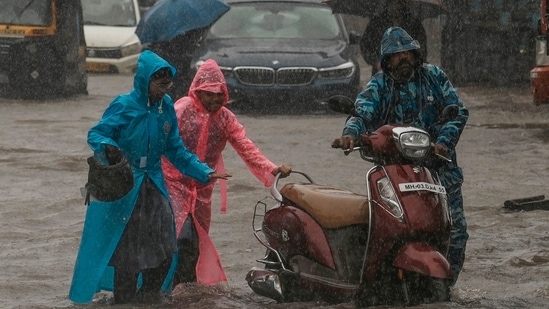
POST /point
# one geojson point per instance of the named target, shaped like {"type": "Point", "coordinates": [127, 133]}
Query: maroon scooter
{"type": "Point", "coordinates": [387, 247]}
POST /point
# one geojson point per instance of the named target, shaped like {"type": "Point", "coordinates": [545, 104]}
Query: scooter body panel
{"type": "Point", "coordinates": [424, 212]}
{"type": "Point", "coordinates": [422, 258]}
{"type": "Point", "coordinates": [424, 218]}
{"type": "Point", "coordinates": [293, 232]}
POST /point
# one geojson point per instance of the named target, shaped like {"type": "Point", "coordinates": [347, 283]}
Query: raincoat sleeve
{"type": "Point", "coordinates": [255, 160]}
{"type": "Point", "coordinates": [367, 106]}
{"type": "Point", "coordinates": [106, 131]}
{"type": "Point", "coordinates": [184, 160]}
{"type": "Point", "coordinates": [451, 131]}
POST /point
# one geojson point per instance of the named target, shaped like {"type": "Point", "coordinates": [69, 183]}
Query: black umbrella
{"type": "Point", "coordinates": [368, 8]}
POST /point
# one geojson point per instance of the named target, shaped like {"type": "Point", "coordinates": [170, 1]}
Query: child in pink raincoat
{"type": "Point", "coordinates": [205, 126]}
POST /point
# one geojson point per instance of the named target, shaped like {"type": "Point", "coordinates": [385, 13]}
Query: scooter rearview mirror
{"type": "Point", "coordinates": [342, 104]}
{"type": "Point", "coordinates": [448, 113]}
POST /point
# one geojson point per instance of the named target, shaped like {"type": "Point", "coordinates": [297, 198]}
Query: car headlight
{"type": "Point", "coordinates": [132, 49]}
{"type": "Point", "coordinates": [388, 195]}
{"type": "Point", "coordinates": [227, 71]}
{"type": "Point", "coordinates": [413, 143]}
{"type": "Point", "coordinates": [344, 70]}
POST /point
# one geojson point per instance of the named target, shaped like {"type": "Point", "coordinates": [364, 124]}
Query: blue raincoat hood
{"type": "Point", "coordinates": [395, 40]}
{"type": "Point", "coordinates": [148, 64]}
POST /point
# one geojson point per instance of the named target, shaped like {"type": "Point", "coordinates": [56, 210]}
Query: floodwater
{"type": "Point", "coordinates": [43, 152]}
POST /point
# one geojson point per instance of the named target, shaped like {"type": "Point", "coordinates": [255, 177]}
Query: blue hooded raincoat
{"type": "Point", "coordinates": [144, 131]}
{"type": "Point", "coordinates": [418, 102]}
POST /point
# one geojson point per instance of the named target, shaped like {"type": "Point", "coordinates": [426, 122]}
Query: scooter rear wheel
{"type": "Point", "coordinates": [415, 289]}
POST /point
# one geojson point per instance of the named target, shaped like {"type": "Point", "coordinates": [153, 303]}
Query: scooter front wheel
{"type": "Point", "coordinates": [428, 290]}
{"type": "Point", "coordinates": [440, 290]}
{"type": "Point", "coordinates": [413, 290]}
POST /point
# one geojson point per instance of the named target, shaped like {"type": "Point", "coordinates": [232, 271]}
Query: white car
{"type": "Point", "coordinates": [111, 43]}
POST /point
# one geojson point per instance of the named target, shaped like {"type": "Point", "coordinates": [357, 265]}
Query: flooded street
{"type": "Point", "coordinates": [503, 152]}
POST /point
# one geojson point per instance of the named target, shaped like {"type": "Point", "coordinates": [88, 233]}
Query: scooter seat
{"type": "Point", "coordinates": [331, 207]}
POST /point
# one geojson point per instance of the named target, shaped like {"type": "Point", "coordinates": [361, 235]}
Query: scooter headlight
{"type": "Point", "coordinates": [388, 195]}
{"type": "Point", "coordinates": [412, 143]}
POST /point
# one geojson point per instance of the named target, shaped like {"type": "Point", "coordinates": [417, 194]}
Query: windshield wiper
{"type": "Point", "coordinates": [94, 23]}
{"type": "Point", "coordinates": [18, 15]}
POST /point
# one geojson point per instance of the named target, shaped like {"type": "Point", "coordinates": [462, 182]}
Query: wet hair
{"type": "Point", "coordinates": [164, 72]}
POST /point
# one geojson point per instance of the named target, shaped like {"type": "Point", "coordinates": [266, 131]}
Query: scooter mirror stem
{"type": "Point", "coordinates": [448, 113]}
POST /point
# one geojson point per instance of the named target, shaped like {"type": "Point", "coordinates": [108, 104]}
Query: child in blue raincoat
{"type": "Point", "coordinates": [134, 237]}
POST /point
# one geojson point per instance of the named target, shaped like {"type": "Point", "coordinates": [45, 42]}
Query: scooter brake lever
{"type": "Point", "coordinates": [443, 157]}
{"type": "Point", "coordinates": [348, 151]}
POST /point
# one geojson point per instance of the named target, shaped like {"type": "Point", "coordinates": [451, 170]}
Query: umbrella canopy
{"type": "Point", "coordinates": [167, 19]}
{"type": "Point", "coordinates": [368, 8]}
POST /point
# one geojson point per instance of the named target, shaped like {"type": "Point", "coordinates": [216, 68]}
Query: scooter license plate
{"type": "Point", "coordinates": [420, 186]}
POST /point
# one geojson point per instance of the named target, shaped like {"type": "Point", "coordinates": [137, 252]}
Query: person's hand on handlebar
{"type": "Point", "coordinates": [345, 142]}
{"type": "Point", "coordinates": [441, 150]}
{"type": "Point", "coordinates": [284, 170]}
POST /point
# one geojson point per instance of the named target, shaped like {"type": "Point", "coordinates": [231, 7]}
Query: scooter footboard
{"type": "Point", "coordinates": [423, 258]}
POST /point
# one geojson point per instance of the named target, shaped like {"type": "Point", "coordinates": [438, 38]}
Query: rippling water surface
{"type": "Point", "coordinates": [43, 155]}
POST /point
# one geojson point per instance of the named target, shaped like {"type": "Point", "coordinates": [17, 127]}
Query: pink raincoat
{"type": "Point", "coordinates": [206, 134]}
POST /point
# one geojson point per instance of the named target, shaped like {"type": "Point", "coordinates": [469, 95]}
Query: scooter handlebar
{"type": "Point", "coordinates": [274, 188]}
{"type": "Point", "coordinates": [336, 144]}
{"type": "Point", "coordinates": [438, 155]}
{"type": "Point", "coordinates": [365, 151]}
{"type": "Point", "coordinates": [443, 157]}
{"type": "Point", "coordinates": [348, 151]}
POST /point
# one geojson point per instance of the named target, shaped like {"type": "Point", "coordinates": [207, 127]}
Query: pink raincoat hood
{"type": "Point", "coordinates": [209, 78]}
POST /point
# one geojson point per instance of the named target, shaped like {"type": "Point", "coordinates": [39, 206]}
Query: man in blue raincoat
{"type": "Point", "coordinates": [411, 92]}
{"type": "Point", "coordinates": [127, 245]}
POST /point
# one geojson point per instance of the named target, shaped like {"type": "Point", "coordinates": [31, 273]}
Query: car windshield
{"type": "Point", "coordinates": [271, 20]}
{"type": "Point", "coordinates": [26, 12]}
{"type": "Point", "coordinates": [120, 13]}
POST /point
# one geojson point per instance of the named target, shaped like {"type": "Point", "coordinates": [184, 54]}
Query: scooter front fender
{"type": "Point", "coordinates": [422, 258]}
